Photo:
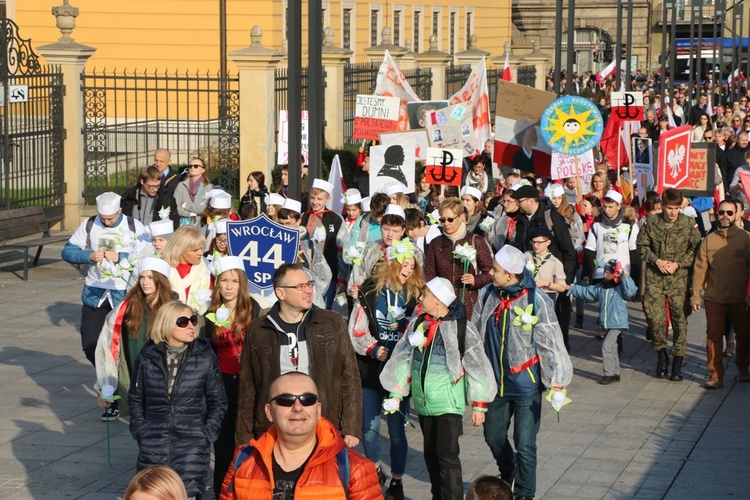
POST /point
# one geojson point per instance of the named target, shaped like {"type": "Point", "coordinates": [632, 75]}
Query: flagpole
{"type": "Point", "coordinates": [632, 179]}
{"type": "Point", "coordinates": [579, 197]}
{"type": "Point", "coordinates": [619, 148]}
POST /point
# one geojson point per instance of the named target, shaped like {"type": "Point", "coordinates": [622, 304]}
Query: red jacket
{"type": "Point", "coordinates": [320, 479]}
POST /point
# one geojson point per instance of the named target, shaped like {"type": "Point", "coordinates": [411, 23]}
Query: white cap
{"type": "Point", "coordinates": [352, 197]}
{"type": "Point", "coordinates": [108, 203]}
{"type": "Point", "coordinates": [222, 200]}
{"type": "Point", "coordinates": [162, 228]}
{"type": "Point", "coordinates": [393, 209]}
{"type": "Point", "coordinates": [471, 191]}
{"type": "Point", "coordinates": [519, 183]}
{"type": "Point", "coordinates": [274, 199]}
{"type": "Point", "coordinates": [212, 193]}
{"type": "Point", "coordinates": [511, 259]}
{"type": "Point", "coordinates": [443, 290]}
{"type": "Point", "coordinates": [324, 185]}
{"type": "Point", "coordinates": [614, 196]}
{"type": "Point", "coordinates": [554, 190]}
{"type": "Point", "coordinates": [293, 205]}
{"type": "Point", "coordinates": [227, 262]}
{"type": "Point", "coordinates": [366, 204]}
{"type": "Point", "coordinates": [154, 264]}
{"type": "Point", "coordinates": [221, 226]}
{"type": "Point", "coordinates": [395, 188]}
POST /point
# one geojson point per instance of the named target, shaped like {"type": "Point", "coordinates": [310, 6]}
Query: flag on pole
{"type": "Point", "coordinates": [710, 106]}
{"type": "Point", "coordinates": [736, 75]}
{"type": "Point", "coordinates": [336, 177]}
{"type": "Point", "coordinates": [391, 82]}
{"type": "Point", "coordinates": [613, 133]}
{"type": "Point", "coordinates": [476, 95]}
{"type": "Point", "coordinates": [608, 71]}
{"type": "Point", "coordinates": [506, 69]}
{"type": "Point", "coordinates": [670, 117]}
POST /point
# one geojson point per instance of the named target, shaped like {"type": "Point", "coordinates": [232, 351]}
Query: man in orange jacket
{"type": "Point", "coordinates": [302, 455]}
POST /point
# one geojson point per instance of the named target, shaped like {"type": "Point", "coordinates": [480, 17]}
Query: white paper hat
{"type": "Point", "coordinates": [395, 210]}
{"type": "Point", "coordinates": [352, 197]}
{"type": "Point", "coordinates": [293, 205]}
{"type": "Point", "coordinates": [366, 204]}
{"type": "Point", "coordinates": [324, 185]}
{"type": "Point", "coordinates": [212, 193]}
{"type": "Point", "coordinates": [519, 183]}
{"type": "Point", "coordinates": [222, 201]}
{"type": "Point", "coordinates": [614, 196]}
{"type": "Point", "coordinates": [108, 203]}
{"type": "Point", "coordinates": [161, 228]}
{"type": "Point", "coordinates": [274, 199]}
{"type": "Point", "coordinates": [443, 290]}
{"type": "Point", "coordinates": [395, 188]}
{"type": "Point", "coordinates": [221, 226]}
{"type": "Point", "coordinates": [511, 259]}
{"type": "Point", "coordinates": [554, 190]}
{"type": "Point", "coordinates": [471, 191]}
{"type": "Point", "coordinates": [227, 262]}
{"type": "Point", "coordinates": [154, 264]}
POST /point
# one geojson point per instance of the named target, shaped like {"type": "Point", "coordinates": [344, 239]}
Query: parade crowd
{"type": "Point", "coordinates": [456, 297]}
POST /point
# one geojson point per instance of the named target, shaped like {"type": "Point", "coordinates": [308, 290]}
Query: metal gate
{"type": "Point", "coordinates": [31, 127]}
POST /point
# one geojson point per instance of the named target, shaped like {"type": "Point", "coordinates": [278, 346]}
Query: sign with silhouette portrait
{"type": "Point", "coordinates": [390, 165]}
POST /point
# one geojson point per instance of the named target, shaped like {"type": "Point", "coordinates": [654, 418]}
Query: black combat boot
{"type": "Point", "coordinates": [662, 365]}
{"type": "Point", "coordinates": [676, 369]}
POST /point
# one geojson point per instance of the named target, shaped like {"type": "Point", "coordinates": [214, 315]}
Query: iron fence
{"type": "Point", "coordinates": [527, 75]}
{"type": "Point", "coordinates": [130, 115]}
{"type": "Point", "coordinates": [493, 75]}
{"type": "Point", "coordinates": [281, 82]}
{"type": "Point", "coordinates": [362, 78]}
{"type": "Point", "coordinates": [455, 78]}
{"type": "Point", "coordinates": [31, 127]}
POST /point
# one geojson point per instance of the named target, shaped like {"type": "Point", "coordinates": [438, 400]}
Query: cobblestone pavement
{"type": "Point", "coordinates": [642, 438]}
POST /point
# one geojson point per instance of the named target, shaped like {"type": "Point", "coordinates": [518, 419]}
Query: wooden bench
{"type": "Point", "coordinates": [23, 222]}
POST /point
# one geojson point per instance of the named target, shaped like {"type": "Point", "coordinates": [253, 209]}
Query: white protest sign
{"type": "Point", "coordinates": [282, 154]}
{"type": "Point", "coordinates": [563, 166]}
{"type": "Point", "coordinates": [374, 115]}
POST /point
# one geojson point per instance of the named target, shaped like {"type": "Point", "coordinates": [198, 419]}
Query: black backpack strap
{"type": "Point", "coordinates": [461, 336]}
{"type": "Point", "coordinates": [89, 225]}
{"type": "Point", "coordinates": [131, 224]}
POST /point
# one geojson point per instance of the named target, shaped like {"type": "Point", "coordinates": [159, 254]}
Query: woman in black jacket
{"type": "Point", "coordinates": [177, 398]}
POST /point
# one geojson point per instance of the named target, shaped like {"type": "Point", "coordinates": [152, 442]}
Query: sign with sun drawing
{"type": "Point", "coordinates": [572, 125]}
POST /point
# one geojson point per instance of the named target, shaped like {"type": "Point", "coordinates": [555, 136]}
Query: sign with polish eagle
{"type": "Point", "coordinates": [674, 154]}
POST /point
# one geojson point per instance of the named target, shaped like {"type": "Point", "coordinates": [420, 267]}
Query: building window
{"type": "Point", "coordinates": [435, 23]}
{"type": "Point", "coordinates": [374, 27]}
{"type": "Point", "coordinates": [417, 31]}
{"type": "Point", "coordinates": [469, 27]}
{"type": "Point", "coordinates": [397, 27]}
{"type": "Point", "coordinates": [453, 33]}
{"type": "Point", "coordinates": [347, 28]}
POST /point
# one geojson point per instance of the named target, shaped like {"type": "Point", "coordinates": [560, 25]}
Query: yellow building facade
{"type": "Point", "coordinates": [183, 35]}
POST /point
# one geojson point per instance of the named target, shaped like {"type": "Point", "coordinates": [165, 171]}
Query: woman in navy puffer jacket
{"type": "Point", "coordinates": [177, 398]}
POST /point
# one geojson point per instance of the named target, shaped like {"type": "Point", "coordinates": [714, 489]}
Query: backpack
{"type": "Point", "coordinates": [90, 224]}
{"type": "Point", "coordinates": [342, 463]}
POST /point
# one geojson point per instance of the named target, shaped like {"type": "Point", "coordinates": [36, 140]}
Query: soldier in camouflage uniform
{"type": "Point", "coordinates": [667, 245]}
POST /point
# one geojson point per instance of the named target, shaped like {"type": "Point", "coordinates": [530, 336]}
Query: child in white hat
{"type": "Point", "coordinates": [440, 359]}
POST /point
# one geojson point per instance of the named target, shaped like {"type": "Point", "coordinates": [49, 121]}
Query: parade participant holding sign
{"type": "Point", "coordinates": [297, 336]}
{"type": "Point", "coordinates": [322, 227]}
{"type": "Point", "coordinates": [463, 258]}
{"type": "Point", "coordinates": [106, 237]}
{"type": "Point", "coordinates": [525, 347]}
{"type": "Point", "coordinates": [440, 359]}
{"type": "Point", "coordinates": [380, 317]}
{"type": "Point", "coordinates": [126, 330]}
{"type": "Point", "coordinates": [231, 311]}
{"type": "Point", "coordinates": [310, 257]}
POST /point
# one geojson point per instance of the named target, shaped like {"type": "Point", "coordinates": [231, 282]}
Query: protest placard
{"type": "Point", "coordinates": [418, 136]}
{"type": "Point", "coordinates": [374, 115]}
{"type": "Point", "coordinates": [392, 164]}
{"type": "Point", "coordinates": [282, 153]}
{"type": "Point", "coordinates": [444, 166]}
{"type": "Point", "coordinates": [563, 166]}
{"type": "Point", "coordinates": [451, 128]}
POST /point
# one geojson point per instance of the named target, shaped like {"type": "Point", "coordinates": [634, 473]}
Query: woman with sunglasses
{"type": "Point", "coordinates": [440, 260]}
{"type": "Point", "coordinates": [381, 314]}
{"type": "Point", "coordinates": [704, 124]}
{"type": "Point", "coordinates": [126, 331]}
{"type": "Point", "coordinates": [189, 194]}
{"type": "Point", "coordinates": [177, 399]}
{"type": "Point", "coordinates": [189, 276]}
{"type": "Point", "coordinates": [230, 312]}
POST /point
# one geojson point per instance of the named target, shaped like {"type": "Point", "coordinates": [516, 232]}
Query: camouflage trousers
{"type": "Point", "coordinates": [655, 304]}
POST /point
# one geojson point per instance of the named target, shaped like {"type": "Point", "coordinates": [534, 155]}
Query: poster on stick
{"type": "Point", "coordinates": [564, 166]}
{"type": "Point", "coordinates": [419, 136]}
{"type": "Point", "coordinates": [627, 106]}
{"type": "Point", "coordinates": [390, 165]}
{"type": "Point", "coordinates": [451, 128]}
{"type": "Point", "coordinates": [674, 155]}
{"type": "Point", "coordinates": [374, 115]}
{"type": "Point", "coordinates": [444, 166]}
{"type": "Point", "coordinates": [282, 153]}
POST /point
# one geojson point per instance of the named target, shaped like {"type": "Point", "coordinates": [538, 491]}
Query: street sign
{"type": "Point", "coordinates": [18, 93]}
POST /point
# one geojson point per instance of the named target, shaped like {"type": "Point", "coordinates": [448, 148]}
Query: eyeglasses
{"type": "Point", "coordinates": [287, 400]}
{"type": "Point", "coordinates": [300, 288]}
{"type": "Point", "coordinates": [730, 213]}
{"type": "Point", "coordinates": [708, 137]}
{"type": "Point", "coordinates": [197, 165]}
{"type": "Point", "coordinates": [221, 240]}
{"type": "Point", "coordinates": [183, 321]}
{"type": "Point", "coordinates": [450, 220]}
{"type": "Point", "coordinates": [538, 242]}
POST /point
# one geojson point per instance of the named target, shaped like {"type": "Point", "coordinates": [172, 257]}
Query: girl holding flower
{"type": "Point", "coordinates": [230, 312]}
{"type": "Point", "coordinates": [381, 314]}
{"type": "Point", "coordinates": [189, 276]}
{"type": "Point", "coordinates": [126, 330]}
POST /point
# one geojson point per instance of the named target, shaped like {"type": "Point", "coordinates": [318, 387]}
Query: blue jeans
{"type": "Point", "coordinates": [372, 407]}
{"type": "Point", "coordinates": [330, 294]}
{"type": "Point", "coordinates": [526, 413]}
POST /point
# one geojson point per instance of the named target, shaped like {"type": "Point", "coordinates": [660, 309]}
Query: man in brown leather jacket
{"type": "Point", "coordinates": [297, 336]}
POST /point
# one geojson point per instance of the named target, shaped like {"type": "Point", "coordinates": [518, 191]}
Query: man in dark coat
{"type": "Point", "coordinates": [147, 202]}
{"type": "Point", "coordinates": [733, 158]}
{"type": "Point", "coordinates": [169, 176]}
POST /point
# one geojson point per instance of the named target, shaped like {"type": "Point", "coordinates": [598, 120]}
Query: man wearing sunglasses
{"type": "Point", "coordinates": [300, 443]}
{"type": "Point", "coordinates": [296, 336]}
{"type": "Point", "coordinates": [721, 272]}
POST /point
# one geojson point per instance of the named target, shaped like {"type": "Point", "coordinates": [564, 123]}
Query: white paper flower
{"type": "Point", "coordinates": [689, 211]}
{"type": "Point", "coordinates": [107, 392]}
{"type": "Point", "coordinates": [530, 266]}
{"type": "Point", "coordinates": [126, 238]}
{"type": "Point", "coordinates": [526, 318]}
{"type": "Point", "coordinates": [622, 238]}
{"type": "Point", "coordinates": [319, 235]}
{"type": "Point", "coordinates": [487, 223]}
{"type": "Point", "coordinates": [558, 399]}
{"type": "Point", "coordinates": [124, 263]}
{"type": "Point", "coordinates": [417, 338]}
{"type": "Point", "coordinates": [391, 405]}
{"type": "Point", "coordinates": [164, 213]}
{"type": "Point", "coordinates": [202, 296]}
{"type": "Point", "coordinates": [396, 313]}
{"type": "Point", "coordinates": [222, 314]}
{"type": "Point", "coordinates": [341, 300]}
